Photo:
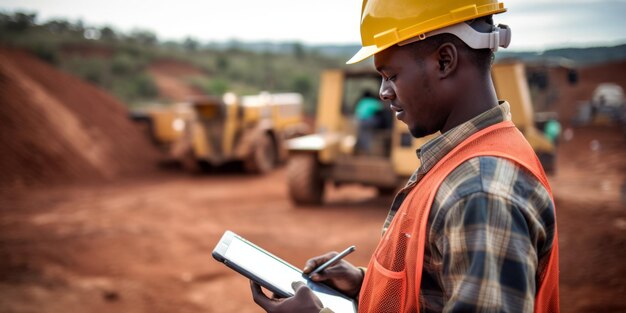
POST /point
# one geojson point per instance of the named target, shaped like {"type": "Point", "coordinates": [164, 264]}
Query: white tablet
{"type": "Point", "coordinates": [274, 273]}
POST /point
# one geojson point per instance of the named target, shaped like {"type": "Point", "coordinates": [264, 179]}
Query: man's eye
{"type": "Point", "coordinates": [386, 78]}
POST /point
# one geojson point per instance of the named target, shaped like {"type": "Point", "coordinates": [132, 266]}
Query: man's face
{"type": "Point", "coordinates": [409, 85]}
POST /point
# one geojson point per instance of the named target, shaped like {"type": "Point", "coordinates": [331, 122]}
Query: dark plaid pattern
{"type": "Point", "coordinates": [489, 229]}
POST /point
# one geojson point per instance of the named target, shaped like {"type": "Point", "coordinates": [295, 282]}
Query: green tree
{"type": "Point", "coordinates": [58, 26]}
{"type": "Point", "coordinates": [218, 86]}
{"type": "Point", "coordinates": [191, 44]}
{"type": "Point", "coordinates": [19, 21]}
{"type": "Point", "coordinates": [144, 37]}
{"type": "Point", "coordinates": [302, 84]}
{"type": "Point", "coordinates": [107, 33]}
{"type": "Point", "coordinates": [298, 50]}
{"type": "Point", "coordinates": [123, 64]}
{"type": "Point", "coordinates": [222, 63]}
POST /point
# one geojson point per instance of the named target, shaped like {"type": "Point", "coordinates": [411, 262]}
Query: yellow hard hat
{"type": "Point", "coordinates": [385, 23]}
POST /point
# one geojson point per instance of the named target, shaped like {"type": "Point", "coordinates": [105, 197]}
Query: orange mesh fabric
{"type": "Point", "coordinates": [394, 272]}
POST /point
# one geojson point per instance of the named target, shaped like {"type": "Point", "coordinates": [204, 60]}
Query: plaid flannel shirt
{"type": "Point", "coordinates": [489, 230]}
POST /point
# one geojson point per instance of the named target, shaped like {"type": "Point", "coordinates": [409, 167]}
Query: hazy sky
{"type": "Point", "coordinates": [536, 24]}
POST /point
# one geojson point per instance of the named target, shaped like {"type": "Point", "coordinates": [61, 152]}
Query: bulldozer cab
{"type": "Point", "coordinates": [337, 125]}
{"type": "Point", "coordinates": [202, 132]}
{"type": "Point", "coordinates": [370, 136]}
{"type": "Point", "coordinates": [211, 116]}
{"type": "Point", "coordinates": [348, 148]}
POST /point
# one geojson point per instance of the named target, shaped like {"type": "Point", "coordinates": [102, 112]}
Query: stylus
{"type": "Point", "coordinates": [333, 260]}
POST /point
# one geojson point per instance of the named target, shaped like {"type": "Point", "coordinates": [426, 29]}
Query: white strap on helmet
{"type": "Point", "coordinates": [499, 37]}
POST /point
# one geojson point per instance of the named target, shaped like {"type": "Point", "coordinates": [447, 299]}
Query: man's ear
{"type": "Point", "coordinates": [448, 57]}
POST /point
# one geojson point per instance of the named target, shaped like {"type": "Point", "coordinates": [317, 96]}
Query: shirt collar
{"type": "Point", "coordinates": [435, 149]}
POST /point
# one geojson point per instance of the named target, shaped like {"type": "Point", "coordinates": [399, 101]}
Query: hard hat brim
{"type": "Point", "coordinates": [366, 52]}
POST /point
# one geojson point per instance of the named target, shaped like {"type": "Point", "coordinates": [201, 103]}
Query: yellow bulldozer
{"type": "Point", "coordinates": [332, 154]}
{"type": "Point", "coordinates": [211, 131]}
{"type": "Point", "coordinates": [251, 129]}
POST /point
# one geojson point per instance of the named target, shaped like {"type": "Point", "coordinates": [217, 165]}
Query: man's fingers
{"type": "Point", "coordinates": [296, 285]}
{"type": "Point", "coordinates": [259, 297]}
{"type": "Point", "coordinates": [300, 289]}
{"type": "Point", "coordinates": [304, 294]}
{"type": "Point", "coordinates": [313, 263]}
{"type": "Point", "coordinates": [334, 271]}
{"type": "Point", "coordinates": [309, 266]}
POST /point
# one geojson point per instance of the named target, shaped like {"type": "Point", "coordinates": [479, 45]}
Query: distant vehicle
{"type": "Point", "coordinates": [608, 95]}
{"type": "Point", "coordinates": [606, 106]}
{"type": "Point", "coordinates": [252, 129]}
{"type": "Point", "coordinates": [332, 155]}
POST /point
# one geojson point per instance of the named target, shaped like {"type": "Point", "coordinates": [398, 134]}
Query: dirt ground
{"type": "Point", "coordinates": [143, 245]}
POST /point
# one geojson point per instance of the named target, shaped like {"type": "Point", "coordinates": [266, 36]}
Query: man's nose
{"type": "Point", "coordinates": [386, 93]}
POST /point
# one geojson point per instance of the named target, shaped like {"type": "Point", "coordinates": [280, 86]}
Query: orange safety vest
{"type": "Point", "coordinates": [392, 280]}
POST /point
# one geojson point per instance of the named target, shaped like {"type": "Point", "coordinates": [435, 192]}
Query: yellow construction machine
{"type": "Point", "coordinates": [252, 129]}
{"type": "Point", "coordinates": [160, 123]}
{"type": "Point", "coordinates": [331, 154]}
{"type": "Point", "coordinates": [509, 78]}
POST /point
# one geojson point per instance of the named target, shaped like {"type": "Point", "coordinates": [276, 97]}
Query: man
{"type": "Point", "coordinates": [369, 117]}
{"type": "Point", "coordinates": [474, 230]}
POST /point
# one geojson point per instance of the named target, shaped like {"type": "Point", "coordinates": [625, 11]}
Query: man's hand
{"type": "Point", "coordinates": [303, 301]}
{"type": "Point", "coordinates": [342, 276]}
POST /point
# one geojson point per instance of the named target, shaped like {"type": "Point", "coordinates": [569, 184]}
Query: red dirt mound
{"type": "Point", "coordinates": [171, 79]}
{"type": "Point", "coordinates": [55, 128]}
{"type": "Point", "coordinates": [175, 68]}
